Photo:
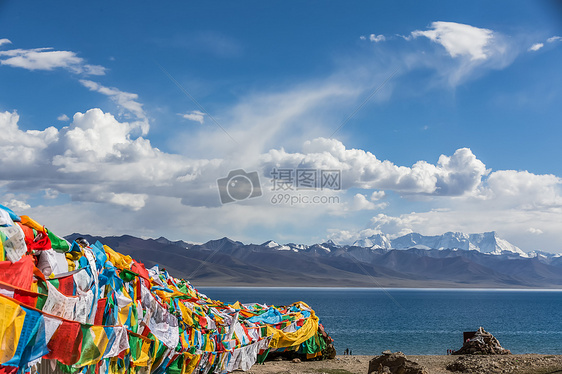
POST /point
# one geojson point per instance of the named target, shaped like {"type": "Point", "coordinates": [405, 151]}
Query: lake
{"type": "Point", "coordinates": [420, 321]}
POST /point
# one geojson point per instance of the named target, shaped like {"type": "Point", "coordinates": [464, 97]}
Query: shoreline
{"type": "Point", "coordinates": [198, 286]}
{"type": "Point", "coordinates": [435, 364]}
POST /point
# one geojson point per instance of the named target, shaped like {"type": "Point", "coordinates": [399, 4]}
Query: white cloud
{"type": "Point", "coordinates": [513, 203]}
{"type": "Point", "coordinates": [194, 115]}
{"type": "Point", "coordinates": [125, 100]}
{"type": "Point", "coordinates": [63, 118]}
{"type": "Point", "coordinates": [379, 224]}
{"type": "Point", "coordinates": [360, 202]}
{"type": "Point", "coordinates": [363, 37]}
{"type": "Point", "coordinates": [535, 47]}
{"type": "Point", "coordinates": [470, 51]}
{"type": "Point", "coordinates": [130, 200]}
{"type": "Point", "coordinates": [459, 39]}
{"type": "Point", "coordinates": [51, 193]}
{"type": "Point", "coordinates": [48, 59]}
{"type": "Point", "coordinates": [16, 205]}
{"type": "Point", "coordinates": [20, 151]}
{"type": "Point", "coordinates": [96, 159]}
{"type": "Point", "coordinates": [377, 195]}
{"type": "Point", "coordinates": [376, 38]}
{"type": "Point", "coordinates": [523, 190]}
{"type": "Point", "coordinates": [5, 41]}
{"type": "Point", "coordinates": [553, 39]}
{"type": "Point", "coordinates": [454, 175]}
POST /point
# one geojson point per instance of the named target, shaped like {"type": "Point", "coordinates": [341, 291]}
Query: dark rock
{"type": "Point", "coordinates": [330, 352]}
{"type": "Point", "coordinates": [395, 363]}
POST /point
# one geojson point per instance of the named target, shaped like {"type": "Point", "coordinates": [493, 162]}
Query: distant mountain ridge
{"type": "Point", "coordinates": [487, 242]}
{"type": "Point", "coordinates": [225, 262]}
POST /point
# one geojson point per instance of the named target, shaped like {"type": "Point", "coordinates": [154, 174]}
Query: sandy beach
{"type": "Point", "coordinates": [516, 364]}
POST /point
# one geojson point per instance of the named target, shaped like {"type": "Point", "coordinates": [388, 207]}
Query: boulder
{"type": "Point", "coordinates": [394, 363]}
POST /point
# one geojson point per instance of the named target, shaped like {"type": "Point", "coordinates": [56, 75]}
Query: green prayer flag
{"type": "Point", "coordinates": [57, 243]}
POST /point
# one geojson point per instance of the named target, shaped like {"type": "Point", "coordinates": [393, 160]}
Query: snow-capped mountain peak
{"type": "Point", "coordinates": [271, 244]}
{"type": "Point", "coordinates": [487, 242]}
{"type": "Point", "coordinates": [374, 241]}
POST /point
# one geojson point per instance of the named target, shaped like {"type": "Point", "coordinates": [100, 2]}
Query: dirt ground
{"type": "Point", "coordinates": [514, 364]}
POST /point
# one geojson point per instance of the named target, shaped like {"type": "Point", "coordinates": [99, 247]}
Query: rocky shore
{"type": "Point", "coordinates": [512, 364]}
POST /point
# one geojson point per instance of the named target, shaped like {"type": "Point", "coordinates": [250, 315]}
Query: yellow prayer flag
{"type": "Point", "coordinates": [11, 324]}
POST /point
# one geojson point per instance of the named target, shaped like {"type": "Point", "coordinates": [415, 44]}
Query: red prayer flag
{"type": "Point", "coordinates": [98, 319]}
{"type": "Point", "coordinates": [66, 285]}
{"type": "Point", "coordinates": [8, 369]}
{"type": "Point", "coordinates": [28, 298]}
{"type": "Point", "coordinates": [138, 267]}
{"type": "Point", "coordinates": [19, 274]}
{"type": "Point", "coordinates": [66, 343]}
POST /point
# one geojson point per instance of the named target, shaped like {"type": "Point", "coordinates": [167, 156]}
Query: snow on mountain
{"type": "Point", "coordinates": [277, 246]}
{"type": "Point", "coordinates": [270, 244]}
{"type": "Point", "coordinates": [297, 247]}
{"type": "Point", "coordinates": [449, 240]}
{"type": "Point", "coordinates": [324, 248]}
{"type": "Point", "coordinates": [489, 242]}
{"type": "Point", "coordinates": [375, 241]}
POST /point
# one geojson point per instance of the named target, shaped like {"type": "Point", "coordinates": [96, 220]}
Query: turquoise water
{"type": "Point", "coordinates": [421, 321]}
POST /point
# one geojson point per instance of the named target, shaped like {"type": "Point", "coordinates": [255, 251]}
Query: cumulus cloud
{"type": "Point", "coordinates": [5, 41]}
{"type": "Point", "coordinates": [360, 202]}
{"type": "Point", "coordinates": [392, 226]}
{"type": "Point", "coordinates": [553, 39]}
{"type": "Point", "coordinates": [48, 59]}
{"type": "Point", "coordinates": [535, 47]}
{"type": "Point", "coordinates": [194, 115]}
{"type": "Point", "coordinates": [98, 159]}
{"type": "Point", "coordinates": [524, 190]}
{"type": "Point", "coordinates": [50, 193]}
{"type": "Point", "coordinates": [459, 39]}
{"type": "Point", "coordinates": [454, 175]}
{"type": "Point", "coordinates": [20, 151]}
{"type": "Point", "coordinates": [377, 195]}
{"type": "Point", "coordinates": [63, 118]}
{"type": "Point", "coordinates": [376, 38]}
{"type": "Point", "coordinates": [16, 205]}
{"type": "Point", "coordinates": [513, 203]}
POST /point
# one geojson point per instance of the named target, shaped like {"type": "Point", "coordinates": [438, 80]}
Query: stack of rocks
{"type": "Point", "coordinates": [394, 363]}
{"type": "Point", "coordinates": [482, 343]}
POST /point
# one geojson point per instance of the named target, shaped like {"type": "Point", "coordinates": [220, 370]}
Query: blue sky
{"type": "Point", "coordinates": [120, 118]}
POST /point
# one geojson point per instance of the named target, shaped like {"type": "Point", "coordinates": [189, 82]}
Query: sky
{"type": "Point", "coordinates": [285, 120]}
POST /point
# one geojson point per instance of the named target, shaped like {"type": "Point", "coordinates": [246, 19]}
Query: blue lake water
{"type": "Point", "coordinates": [420, 321]}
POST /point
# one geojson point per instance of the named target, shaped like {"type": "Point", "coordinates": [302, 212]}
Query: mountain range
{"type": "Point", "coordinates": [412, 260]}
